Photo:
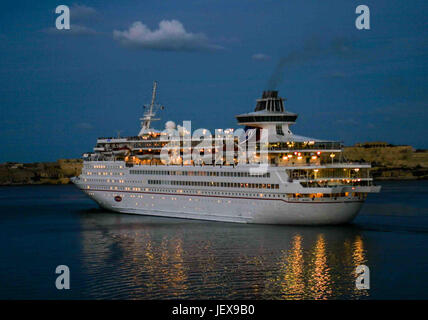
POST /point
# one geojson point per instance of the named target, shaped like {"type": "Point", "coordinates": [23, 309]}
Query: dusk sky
{"type": "Point", "coordinates": [60, 90]}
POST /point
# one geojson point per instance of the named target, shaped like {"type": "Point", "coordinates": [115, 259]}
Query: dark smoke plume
{"type": "Point", "coordinates": [311, 50]}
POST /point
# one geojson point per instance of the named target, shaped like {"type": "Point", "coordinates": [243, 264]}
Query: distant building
{"type": "Point", "coordinates": [16, 165]}
{"type": "Point", "coordinates": [376, 144]}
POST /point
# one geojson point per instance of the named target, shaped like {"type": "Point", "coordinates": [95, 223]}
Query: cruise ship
{"type": "Point", "coordinates": [261, 173]}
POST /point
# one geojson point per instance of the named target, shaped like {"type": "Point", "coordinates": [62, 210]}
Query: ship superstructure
{"type": "Point", "coordinates": [265, 174]}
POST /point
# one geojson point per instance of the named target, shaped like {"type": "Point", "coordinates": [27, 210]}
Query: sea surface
{"type": "Point", "coordinates": [119, 256]}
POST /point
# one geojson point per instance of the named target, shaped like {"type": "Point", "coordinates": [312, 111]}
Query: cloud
{"type": "Point", "coordinates": [78, 13]}
{"type": "Point", "coordinates": [75, 30]}
{"type": "Point", "coordinates": [82, 12]}
{"type": "Point", "coordinates": [260, 57]}
{"type": "Point", "coordinates": [170, 36]}
{"type": "Point", "coordinates": [84, 125]}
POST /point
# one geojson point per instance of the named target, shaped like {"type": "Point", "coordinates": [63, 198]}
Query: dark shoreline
{"type": "Point", "coordinates": [39, 173]}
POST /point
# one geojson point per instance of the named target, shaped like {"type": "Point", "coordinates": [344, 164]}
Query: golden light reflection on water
{"type": "Point", "coordinates": [317, 272]}
{"type": "Point", "coordinates": [358, 255]}
{"type": "Point", "coordinates": [320, 282]}
{"type": "Point", "coordinates": [160, 268]}
{"type": "Point", "coordinates": [152, 263]}
{"type": "Point", "coordinates": [293, 277]}
{"type": "Point", "coordinates": [358, 252]}
{"type": "Point", "coordinates": [176, 276]}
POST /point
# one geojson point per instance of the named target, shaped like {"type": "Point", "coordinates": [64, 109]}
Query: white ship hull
{"type": "Point", "coordinates": [134, 195]}
{"type": "Point", "coordinates": [259, 211]}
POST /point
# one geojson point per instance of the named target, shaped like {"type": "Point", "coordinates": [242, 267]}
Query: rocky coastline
{"type": "Point", "coordinates": [390, 162]}
{"type": "Point", "coordinates": [59, 172]}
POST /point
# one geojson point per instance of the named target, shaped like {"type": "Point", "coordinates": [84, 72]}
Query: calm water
{"type": "Point", "coordinates": [135, 257]}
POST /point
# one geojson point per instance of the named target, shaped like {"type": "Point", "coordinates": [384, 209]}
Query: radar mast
{"type": "Point", "coordinates": [150, 113]}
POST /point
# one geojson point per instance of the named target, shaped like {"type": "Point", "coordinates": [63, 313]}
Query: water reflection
{"type": "Point", "coordinates": [320, 282]}
{"type": "Point", "coordinates": [292, 264]}
{"type": "Point", "coordinates": [136, 257]}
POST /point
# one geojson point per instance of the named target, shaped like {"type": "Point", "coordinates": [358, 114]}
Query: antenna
{"type": "Point", "coordinates": [149, 115]}
{"type": "Point", "coordinates": [155, 84]}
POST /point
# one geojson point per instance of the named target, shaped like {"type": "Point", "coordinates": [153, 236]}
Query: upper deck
{"type": "Point", "coordinates": [278, 148]}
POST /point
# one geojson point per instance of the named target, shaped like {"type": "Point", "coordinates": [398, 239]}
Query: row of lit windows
{"type": "Point", "coordinates": [103, 166]}
{"type": "Point", "coordinates": [201, 173]}
{"type": "Point", "coordinates": [111, 173]}
{"type": "Point", "coordinates": [327, 195]}
{"type": "Point", "coordinates": [192, 192]}
{"type": "Point", "coordinates": [327, 183]}
{"type": "Point", "coordinates": [113, 180]}
{"type": "Point", "coordinates": [120, 188]}
{"type": "Point", "coordinates": [261, 195]}
{"type": "Point", "coordinates": [215, 184]}
{"type": "Point", "coordinates": [115, 188]}
{"type": "Point", "coordinates": [94, 180]}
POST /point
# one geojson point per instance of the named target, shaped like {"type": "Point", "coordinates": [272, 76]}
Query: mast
{"type": "Point", "coordinates": [149, 115]}
{"type": "Point", "coordinates": [155, 84]}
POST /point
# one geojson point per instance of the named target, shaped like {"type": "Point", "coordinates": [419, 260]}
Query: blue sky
{"type": "Point", "coordinates": [212, 59]}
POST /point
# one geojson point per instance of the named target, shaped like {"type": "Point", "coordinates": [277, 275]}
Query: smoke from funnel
{"type": "Point", "coordinates": [278, 73]}
{"type": "Point", "coordinates": [310, 50]}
